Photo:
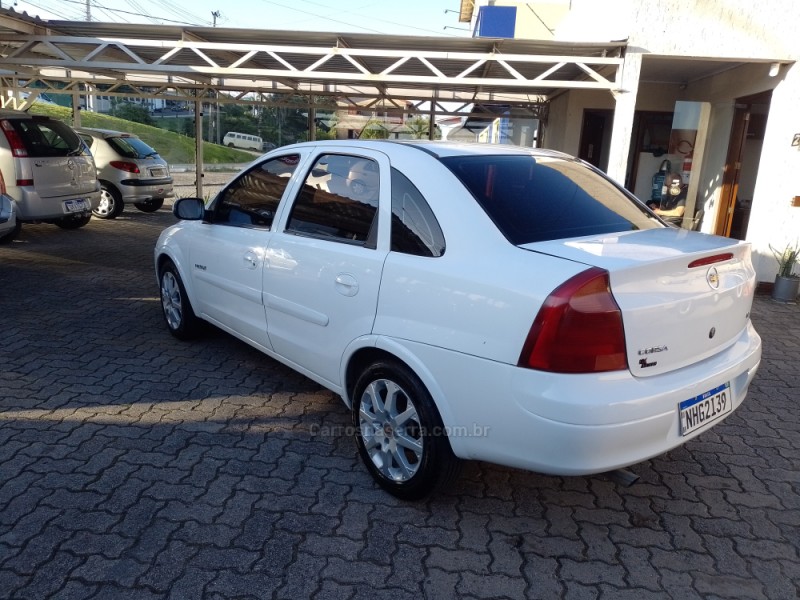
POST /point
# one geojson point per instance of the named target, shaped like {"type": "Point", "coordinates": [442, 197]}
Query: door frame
{"type": "Point", "coordinates": [733, 161]}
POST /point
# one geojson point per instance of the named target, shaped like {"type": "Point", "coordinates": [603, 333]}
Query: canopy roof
{"type": "Point", "coordinates": [250, 65]}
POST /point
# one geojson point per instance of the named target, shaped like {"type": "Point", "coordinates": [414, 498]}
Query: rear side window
{"type": "Point", "coordinates": [415, 229]}
{"type": "Point", "coordinates": [131, 147]}
{"type": "Point", "coordinates": [534, 199]}
{"type": "Point", "coordinates": [47, 138]}
{"type": "Point", "coordinates": [252, 199]}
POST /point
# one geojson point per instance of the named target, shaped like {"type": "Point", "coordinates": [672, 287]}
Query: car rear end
{"type": "Point", "coordinates": [596, 336]}
{"type": "Point", "coordinates": [136, 169]}
{"type": "Point", "coordinates": [50, 172]}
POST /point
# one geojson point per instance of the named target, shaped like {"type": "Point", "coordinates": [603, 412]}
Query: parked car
{"type": "Point", "coordinates": [129, 171]}
{"type": "Point", "coordinates": [49, 171]}
{"type": "Point", "coordinates": [470, 302]}
{"type": "Point", "coordinates": [9, 226]}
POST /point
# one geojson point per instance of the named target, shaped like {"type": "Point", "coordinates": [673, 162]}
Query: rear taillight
{"type": "Point", "coordinates": [578, 329]}
{"type": "Point", "coordinates": [14, 139]}
{"type": "Point", "coordinates": [128, 167]}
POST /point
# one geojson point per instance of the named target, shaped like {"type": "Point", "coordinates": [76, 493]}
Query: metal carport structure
{"type": "Point", "coordinates": [434, 76]}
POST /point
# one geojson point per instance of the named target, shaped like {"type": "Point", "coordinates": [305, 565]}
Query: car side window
{"type": "Point", "coordinates": [415, 229]}
{"type": "Point", "coordinates": [252, 199]}
{"type": "Point", "coordinates": [338, 201]}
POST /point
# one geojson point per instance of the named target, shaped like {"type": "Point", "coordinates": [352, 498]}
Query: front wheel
{"type": "Point", "coordinates": [175, 305]}
{"type": "Point", "coordinates": [399, 432]}
{"type": "Point", "coordinates": [150, 205]}
{"type": "Point", "coordinates": [74, 222]}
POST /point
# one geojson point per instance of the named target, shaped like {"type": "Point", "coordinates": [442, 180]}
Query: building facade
{"type": "Point", "coordinates": [709, 89]}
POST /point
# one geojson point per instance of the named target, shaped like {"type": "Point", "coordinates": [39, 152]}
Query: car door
{"type": "Point", "coordinates": [324, 261]}
{"type": "Point", "coordinates": [228, 251]}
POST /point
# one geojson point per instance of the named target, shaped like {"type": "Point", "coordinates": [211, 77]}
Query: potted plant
{"type": "Point", "coordinates": [787, 283]}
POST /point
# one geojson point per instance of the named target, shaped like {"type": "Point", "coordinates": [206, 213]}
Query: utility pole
{"type": "Point", "coordinates": [88, 10]}
{"type": "Point", "coordinates": [214, 13]}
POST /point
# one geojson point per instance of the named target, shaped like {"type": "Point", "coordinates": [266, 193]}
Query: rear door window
{"type": "Point", "coordinates": [48, 138]}
{"type": "Point", "coordinates": [534, 199]}
{"type": "Point", "coordinates": [339, 201]}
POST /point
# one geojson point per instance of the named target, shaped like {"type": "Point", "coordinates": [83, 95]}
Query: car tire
{"type": "Point", "coordinates": [74, 221]}
{"type": "Point", "coordinates": [399, 432]}
{"type": "Point", "coordinates": [111, 204]}
{"type": "Point", "coordinates": [175, 306]}
{"type": "Point", "coordinates": [11, 235]}
{"type": "Point", "coordinates": [150, 205]}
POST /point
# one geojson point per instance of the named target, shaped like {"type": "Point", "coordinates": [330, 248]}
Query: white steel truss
{"type": "Point", "coordinates": [182, 62]}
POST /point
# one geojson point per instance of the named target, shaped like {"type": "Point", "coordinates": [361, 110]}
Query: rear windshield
{"type": "Point", "coordinates": [48, 137]}
{"type": "Point", "coordinates": [131, 147]}
{"type": "Point", "coordinates": [535, 199]}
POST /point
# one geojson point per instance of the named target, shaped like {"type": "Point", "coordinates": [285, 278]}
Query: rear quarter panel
{"type": "Point", "coordinates": [482, 295]}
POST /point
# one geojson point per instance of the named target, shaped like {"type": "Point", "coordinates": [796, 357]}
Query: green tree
{"type": "Point", "coordinates": [187, 127]}
{"type": "Point", "coordinates": [132, 112]}
{"type": "Point", "coordinates": [374, 130]}
{"type": "Point", "coordinates": [419, 127]}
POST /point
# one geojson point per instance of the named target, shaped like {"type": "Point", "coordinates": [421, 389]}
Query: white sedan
{"type": "Point", "coordinates": [470, 302]}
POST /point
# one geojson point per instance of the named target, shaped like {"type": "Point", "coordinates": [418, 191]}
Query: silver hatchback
{"type": "Point", "coordinates": [49, 173]}
{"type": "Point", "coordinates": [129, 171]}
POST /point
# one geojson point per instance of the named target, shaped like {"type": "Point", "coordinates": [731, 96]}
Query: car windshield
{"type": "Point", "coordinates": [131, 147]}
{"type": "Point", "coordinates": [534, 199]}
{"type": "Point", "coordinates": [47, 137]}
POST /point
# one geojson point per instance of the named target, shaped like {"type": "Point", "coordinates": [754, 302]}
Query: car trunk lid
{"type": "Point", "coordinates": [63, 176]}
{"type": "Point", "coordinates": [684, 296]}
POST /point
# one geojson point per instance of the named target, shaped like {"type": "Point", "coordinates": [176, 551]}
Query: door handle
{"type": "Point", "coordinates": [250, 260]}
{"type": "Point", "coordinates": [346, 284]}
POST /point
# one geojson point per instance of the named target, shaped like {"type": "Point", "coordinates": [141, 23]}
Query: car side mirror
{"type": "Point", "coordinates": [189, 209]}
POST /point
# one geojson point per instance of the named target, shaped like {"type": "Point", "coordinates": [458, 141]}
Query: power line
{"type": "Point", "coordinates": [50, 10]}
{"type": "Point", "coordinates": [117, 11]}
{"type": "Point", "coordinates": [177, 11]}
{"type": "Point", "coordinates": [316, 15]}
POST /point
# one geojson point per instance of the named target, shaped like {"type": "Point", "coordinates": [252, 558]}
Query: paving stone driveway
{"type": "Point", "coordinates": [136, 466]}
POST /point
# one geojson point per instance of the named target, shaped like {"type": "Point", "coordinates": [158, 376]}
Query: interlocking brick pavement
{"type": "Point", "coordinates": [133, 465]}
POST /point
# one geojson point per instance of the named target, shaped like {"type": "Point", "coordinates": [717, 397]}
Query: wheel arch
{"type": "Point", "coordinates": [165, 256]}
{"type": "Point", "coordinates": [383, 348]}
{"type": "Point", "coordinates": [109, 184]}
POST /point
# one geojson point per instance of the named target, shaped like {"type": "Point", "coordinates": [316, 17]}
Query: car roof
{"type": "Point", "coordinates": [105, 133]}
{"type": "Point", "coordinates": [439, 148]}
{"type": "Point", "coordinates": [6, 113]}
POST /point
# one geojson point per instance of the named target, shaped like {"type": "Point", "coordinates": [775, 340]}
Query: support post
{"type": "Point", "coordinates": [76, 109]}
{"type": "Point", "coordinates": [432, 117]}
{"type": "Point", "coordinates": [198, 147]}
{"type": "Point", "coordinates": [625, 96]}
{"type": "Point", "coordinates": [312, 123]}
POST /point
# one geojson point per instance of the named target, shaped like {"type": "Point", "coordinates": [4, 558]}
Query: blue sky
{"type": "Point", "coordinates": [403, 17]}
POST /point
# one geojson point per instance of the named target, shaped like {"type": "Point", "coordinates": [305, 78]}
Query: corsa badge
{"type": "Point", "coordinates": [712, 277]}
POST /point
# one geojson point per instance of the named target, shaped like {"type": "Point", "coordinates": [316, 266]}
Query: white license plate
{"type": "Point", "coordinates": [73, 206]}
{"type": "Point", "coordinates": [158, 172]}
{"type": "Point", "coordinates": [701, 410]}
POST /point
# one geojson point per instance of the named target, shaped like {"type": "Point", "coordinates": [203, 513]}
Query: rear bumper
{"type": "Point", "coordinates": [141, 190]}
{"type": "Point", "coordinates": [32, 207]}
{"type": "Point", "coordinates": [573, 424]}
